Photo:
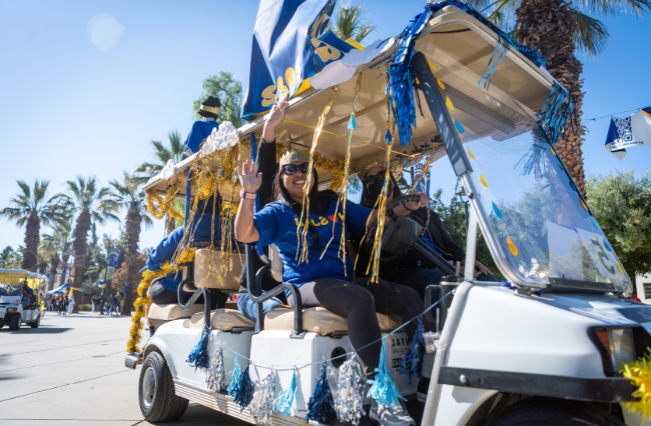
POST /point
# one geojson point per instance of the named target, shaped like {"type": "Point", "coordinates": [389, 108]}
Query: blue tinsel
{"type": "Point", "coordinates": [321, 407]}
{"type": "Point", "coordinates": [236, 376]}
{"type": "Point", "coordinates": [285, 402]}
{"type": "Point", "coordinates": [199, 357]}
{"type": "Point", "coordinates": [243, 392]}
{"type": "Point", "coordinates": [411, 362]}
{"type": "Point", "coordinates": [501, 49]}
{"type": "Point", "coordinates": [554, 113]}
{"type": "Point", "coordinates": [384, 390]}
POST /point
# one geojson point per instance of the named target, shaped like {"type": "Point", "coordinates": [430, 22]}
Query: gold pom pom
{"type": "Point", "coordinates": [640, 373]}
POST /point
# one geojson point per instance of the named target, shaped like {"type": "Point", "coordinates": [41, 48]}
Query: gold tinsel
{"type": "Point", "coordinates": [336, 167]}
{"type": "Point", "coordinates": [639, 372]}
{"type": "Point", "coordinates": [141, 302]}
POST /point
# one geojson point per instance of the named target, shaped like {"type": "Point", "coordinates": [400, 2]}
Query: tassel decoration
{"type": "Point", "coordinates": [321, 408]}
{"type": "Point", "coordinates": [198, 357]}
{"type": "Point", "coordinates": [501, 49]}
{"type": "Point", "coordinates": [383, 388]}
{"type": "Point", "coordinates": [262, 404]}
{"type": "Point", "coordinates": [236, 376]}
{"type": "Point", "coordinates": [284, 404]}
{"type": "Point", "coordinates": [243, 393]}
{"type": "Point", "coordinates": [413, 359]}
{"type": "Point", "coordinates": [349, 392]}
{"type": "Point", "coordinates": [215, 378]}
{"type": "Point", "coordinates": [554, 113]}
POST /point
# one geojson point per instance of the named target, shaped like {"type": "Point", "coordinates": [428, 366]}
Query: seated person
{"type": "Point", "coordinates": [209, 110]}
{"type": "Point", "coordinates": [413, 269]}
{"type": "Point", "coordinates": [323, 281]}
{"type": "Point", "coordinates": [163, 291]}
{"type": "Point", "coordinates": [27, 296]}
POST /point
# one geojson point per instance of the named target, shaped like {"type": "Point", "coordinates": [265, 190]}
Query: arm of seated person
{"type": "Point", "coordinates": [406, 208]}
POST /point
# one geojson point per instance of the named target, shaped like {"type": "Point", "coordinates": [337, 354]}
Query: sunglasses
{"type": "Point", "coordinates": [291, 169]}
{"type": "Point", "coordinates": [368, 180]}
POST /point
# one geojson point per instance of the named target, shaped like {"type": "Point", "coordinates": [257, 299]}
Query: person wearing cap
{"type": "Point", "coordinates": [163, 291]}
{"type": "Point", "coordinates": [201, 129]}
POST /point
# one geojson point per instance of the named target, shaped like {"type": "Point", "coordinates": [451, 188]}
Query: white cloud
{"type": "Point", "coordinates": [104, 31]}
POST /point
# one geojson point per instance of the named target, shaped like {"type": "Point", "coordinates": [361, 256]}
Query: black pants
{"type": "Point", "coordinates": [358, 302]}
{"type": "Point", "coordinates": [162, 296]}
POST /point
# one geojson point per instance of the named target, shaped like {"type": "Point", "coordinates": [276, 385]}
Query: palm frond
{"type": "Point", "coordinates": [348, 23]}
{"type": "Point", "coordinates": [364, 30]}
{"type": "Point", "coordinates": [175, 142]}
{"type": "Point", "coordinates": [614, 7]}
{"type": "Point", "coordinates": [591, 35]}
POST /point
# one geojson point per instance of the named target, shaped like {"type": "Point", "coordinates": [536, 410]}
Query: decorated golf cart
{"type": "Point", "coordinates": [20, 298]}
{"type": "Point", "coordinates": [550, 346]}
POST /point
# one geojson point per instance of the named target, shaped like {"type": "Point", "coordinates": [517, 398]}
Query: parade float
{"type": "Point", "coordinates": [20, 301]}
{"type": "Point", "coordinates": [557, 342]}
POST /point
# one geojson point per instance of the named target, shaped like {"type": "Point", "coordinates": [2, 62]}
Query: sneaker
{"type": "Point", "coordinates": [390, 416]}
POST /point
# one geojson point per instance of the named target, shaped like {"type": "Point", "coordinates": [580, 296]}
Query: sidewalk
{"type": "Point", "coordinates": [71, 371]}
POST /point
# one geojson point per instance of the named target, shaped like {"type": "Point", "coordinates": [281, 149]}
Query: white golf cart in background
{"type": "Point", "coordinates": [13, 313]}
{"type": "Point", "coordinates": [546, 350]}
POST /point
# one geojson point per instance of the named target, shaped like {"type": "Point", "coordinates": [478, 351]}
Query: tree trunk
{"type": "Point", "coordinates": [54, 263]}
{"type": "Point", "coordinates": [548, 26]}
{"type": "Point", "coordinates": [170, 224]}
{"type": "Point", "coordinates": [32, 231]}
{"type": "Point", "coordinates": [64, 266]}
{"type": "Point", "coordinates": [133, 235]}
{"type": "Point", "coordinates": [80, 249]}
{"type": "Point", "coordinates": [42, 268]}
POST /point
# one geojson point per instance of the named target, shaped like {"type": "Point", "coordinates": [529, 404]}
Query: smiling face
{"type": "Point", "coordinates": [296, 182]}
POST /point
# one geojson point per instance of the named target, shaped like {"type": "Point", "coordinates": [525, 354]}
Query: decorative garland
{"type": "Point", "coordinates": [140, 303]}
{"type": "Point", "coordinates": [158, 206]}
{"type": "Point", "coordinates": [639, 372]}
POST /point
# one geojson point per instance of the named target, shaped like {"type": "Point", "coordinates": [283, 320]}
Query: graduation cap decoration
{"type": "Point", "coordinates": [210, 107]}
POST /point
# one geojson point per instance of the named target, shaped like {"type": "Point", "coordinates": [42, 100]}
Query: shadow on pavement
{"type": "Point", "coordinates": [198, 415]}
{"type": "Point", "coordinates": [40, 330]}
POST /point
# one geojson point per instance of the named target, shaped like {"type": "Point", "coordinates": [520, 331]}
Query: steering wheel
{"type": "Point", "coordinates": [400, 233]}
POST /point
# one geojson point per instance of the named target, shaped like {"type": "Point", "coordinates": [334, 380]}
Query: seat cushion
{"type": "Point", "coordinates": [207, 271]}
{"type": "Point", "coordinates": [320, 320]}
{"type": "Point", "coordinates": [172, 312]}
{"type": "Point", "coordinates": [220, 319]}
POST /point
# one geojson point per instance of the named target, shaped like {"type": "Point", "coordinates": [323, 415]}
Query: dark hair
{"type": "Point", "coordinates": [319, 200]}
{"type": "Point", "coordinates": [369, 200]}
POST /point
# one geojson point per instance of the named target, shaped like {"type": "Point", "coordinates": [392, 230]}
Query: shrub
{"type": "Point", "coordinates": [87, 308]}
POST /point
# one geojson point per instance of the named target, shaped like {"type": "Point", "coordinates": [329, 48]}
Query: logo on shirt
{"type": "Point", "coordinates": [320, 220]}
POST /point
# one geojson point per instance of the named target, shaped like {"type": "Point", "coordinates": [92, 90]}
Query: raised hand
{"type": "Point", "coordinates": [274, 118]}
{"type": "Point", "coordinates": [249, 181]}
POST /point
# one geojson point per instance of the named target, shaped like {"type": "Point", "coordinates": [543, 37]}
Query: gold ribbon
{"type": "Point", "coordinates": [214, 110]}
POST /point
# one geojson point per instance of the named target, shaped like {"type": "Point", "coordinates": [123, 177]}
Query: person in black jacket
{"type": "Point", "coordinates": [413, 269]}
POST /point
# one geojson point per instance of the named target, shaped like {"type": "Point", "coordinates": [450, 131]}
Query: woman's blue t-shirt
{"type": "Point", "coordinates": [277, 224]}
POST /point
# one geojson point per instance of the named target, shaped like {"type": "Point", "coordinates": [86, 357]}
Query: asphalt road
{"type": "Point", "coordinates": [71, 371]}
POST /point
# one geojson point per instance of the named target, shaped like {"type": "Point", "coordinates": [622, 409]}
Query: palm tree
{"type": "Point", "coordinates": [163, 154]}
{"type": "Point", "coordinates": [348, 23]}
{"type": "Point", "coordinates": [90, 204]}
{"type": "Point", "coordinates": [59, 241]}
{"type": "Point", "coordinates": [128, 196]}
{"type": "Point", "coordinates": [30, 210]}
{"type": "Point", "coordinates": [559, 29]}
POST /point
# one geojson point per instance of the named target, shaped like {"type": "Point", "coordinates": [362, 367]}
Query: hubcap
{"type": "Point", "coordinates": [148, 388]}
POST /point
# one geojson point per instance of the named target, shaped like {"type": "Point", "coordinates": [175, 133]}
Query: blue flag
{"type": "Point", "coordinates": [287, 50]}
{"type": "Point", "coordinates": [634, 130]}
{"type": "Point", "coordinates": [423, 186]}
{"type": "Point", "coordinates": [114, 258]}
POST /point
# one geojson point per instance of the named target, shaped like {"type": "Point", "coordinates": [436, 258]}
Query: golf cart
{"type": "Point", "coordinates": [546, 349]}
{"type": "Point", "coordinates": [17, 305]}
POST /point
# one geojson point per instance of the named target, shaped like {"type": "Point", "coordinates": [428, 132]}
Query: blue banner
{"type": "Point", "coordinates": [423, 186]}
{"type": "Point", "coordinates": [114, 258]}
{"type": "Point", "coordinates": [287, 50]}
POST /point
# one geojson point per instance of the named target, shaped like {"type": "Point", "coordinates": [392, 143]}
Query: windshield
{"type": "Point", "coordinates": [537, 224]}
{"type": "Point", "coordinates": [7, 289]}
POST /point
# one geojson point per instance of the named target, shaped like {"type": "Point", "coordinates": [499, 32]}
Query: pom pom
{"type": "Point", "coordinates": [383, 389]}
{"type": "Point", "coordinates": [349, 392]}
{"type": "Point", "coordinates": [413, 359]}
{"type": "Point", "coordinates": [284, 404]}
{"type": "Point", "coordinates": [321, 408]}
{"type": "Point", "coordinates": [198, 357]}
{"type": "Point", "coordinates": [640, 373]}
{"type": "Point", "coordinates": [236, 377]}
{"type": "Point", "coordinates": [215, 378]}
{"type": "Point", "coordinates": [263, 401]}
{"type": "Point", "coordinates": [243, 392]}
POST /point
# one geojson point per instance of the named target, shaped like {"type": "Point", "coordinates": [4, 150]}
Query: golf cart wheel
{"type": "Point", "coordinates": [36, 323]}
{"type": "Point", "coordinates": [14, 322]}
{"type": "Point", "coordinates": [552, 412]}
{"type": "Point", "coordinates": [158, 403]}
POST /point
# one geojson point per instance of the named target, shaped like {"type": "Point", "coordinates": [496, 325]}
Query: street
{"type": "Point", "coordinates": [71, 370]}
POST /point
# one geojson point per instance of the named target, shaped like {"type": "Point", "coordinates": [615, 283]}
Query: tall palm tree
{"type": "Point", "coordinates": [128, 196]}
{"type": "Point", "coordinates": [560, 29]}
{"type": "Point", "coordinates": [90, 204]}
{"type": "Point", "coordinates": [348, 23]}
{"type": "Point", "coordinates": [57, 245]}
{"type": "Point", "coordinates": [31, 209]}
{"type": "Point", "coordinates": [163, 154]}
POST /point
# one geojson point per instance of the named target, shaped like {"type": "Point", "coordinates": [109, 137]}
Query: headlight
{"type": "Point", "coordinates": [620, 345]}
{"type": "Point", "coordinates": [11, 309]}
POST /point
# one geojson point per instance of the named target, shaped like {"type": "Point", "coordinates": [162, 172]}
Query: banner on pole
{"type": "Point", "coordinates": [424, 184]}
{"type": "Point", "coordinates": [634, 130]}
{"type": "Point", "coordinates": [114, 258]}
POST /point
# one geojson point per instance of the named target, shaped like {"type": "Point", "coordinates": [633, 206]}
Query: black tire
{"type": "Point", "coordinates": [552, 412]}
{"type": "Point", "coordinates": [14, 322]}
{"type": "Point", "coordinates": [158, 403]}
{"type": "Point", "coordinates": [2, 325]}
{"type": "Point", "coordinates": [36, 323]}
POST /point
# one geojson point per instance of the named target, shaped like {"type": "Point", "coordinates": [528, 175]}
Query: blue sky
{"type": "Point", "coordinates": [74, 101]}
